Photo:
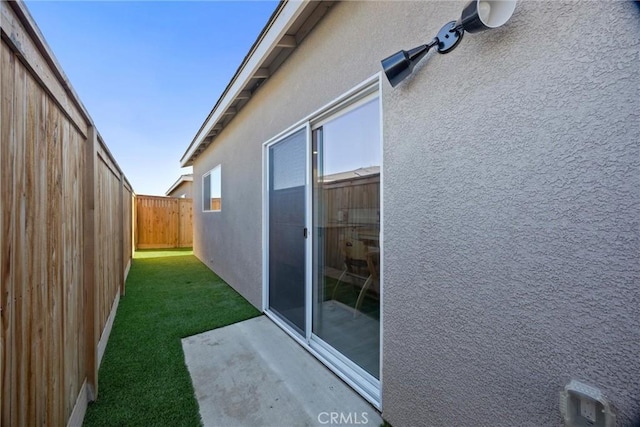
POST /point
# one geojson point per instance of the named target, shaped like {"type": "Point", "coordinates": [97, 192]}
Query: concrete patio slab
{"type": "Point", "coordinates": [252, 374]}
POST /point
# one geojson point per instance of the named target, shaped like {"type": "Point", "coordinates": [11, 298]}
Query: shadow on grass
{"type": "Point", "coordinates": [162, 253]}
{"type": "Point", "coordinates": [143, 380]}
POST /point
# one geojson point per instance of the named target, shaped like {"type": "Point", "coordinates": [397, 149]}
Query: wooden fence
{"type": "Point", "coordinates": [65, 235]}
{"type": "Point", "coordinates": [358, 200]}
{"type": "Point", "coordinates": [164, 222]}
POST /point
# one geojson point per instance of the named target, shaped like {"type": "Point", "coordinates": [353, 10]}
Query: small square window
{"type": "Point", "coordinates": [212, 190]}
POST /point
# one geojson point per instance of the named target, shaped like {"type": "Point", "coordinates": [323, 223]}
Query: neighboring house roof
{"type": "Point", "coordinates": [354, 174]}
{"type": "Point", "coordinates": [288, 26]}
{"type": "Point", "coordinates": [183, 178]}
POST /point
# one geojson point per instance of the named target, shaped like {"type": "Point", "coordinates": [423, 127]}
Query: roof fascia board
{"type": "Point", "coordinates": [183, 178]}
{"type": "Point", "coordinates": [289, 13]}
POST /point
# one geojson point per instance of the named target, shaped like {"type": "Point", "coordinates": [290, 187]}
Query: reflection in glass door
{"type": "Point", "coordinates": [346, 227]}
{"type": "Point", "coordinates": [286, 231]}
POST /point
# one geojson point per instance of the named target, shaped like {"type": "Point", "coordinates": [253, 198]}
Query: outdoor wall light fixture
{"type": "Point", "coordinates": [477, 15]}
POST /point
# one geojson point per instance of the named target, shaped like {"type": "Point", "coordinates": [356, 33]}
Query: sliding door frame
{"type": "Point", "coordinates": [360, 380]}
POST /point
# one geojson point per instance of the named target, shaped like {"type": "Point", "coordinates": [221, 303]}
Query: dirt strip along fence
{"type": "Point", "coordinates": [163, 222]}
{"type": "Point", "coordinates": [66, 235]}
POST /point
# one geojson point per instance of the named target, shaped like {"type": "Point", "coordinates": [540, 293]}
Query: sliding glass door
{"type": "Point", "coordinates": [346, 233]}
{"type": "Point", "coordinates": [322, 231]}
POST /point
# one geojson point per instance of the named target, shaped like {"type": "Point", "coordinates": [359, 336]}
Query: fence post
{"type": "Point", "coordinates": [3, 286]}
{"type": "Point", "coordinates": [177, 211]}
{"type": "Point", "coordinates": [121, 235]}
{"type": "Point", "coordinates": [89, 268]}
{"type": "Point", "coordinates": [134, 224]}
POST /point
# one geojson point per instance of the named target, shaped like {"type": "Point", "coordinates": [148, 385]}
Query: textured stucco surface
{"type": "Point", "coordinates": [511, 198]}
{"type": "Point", "coordinates": [511, 219]}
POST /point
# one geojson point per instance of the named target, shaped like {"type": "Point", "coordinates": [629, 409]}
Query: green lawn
{"type": "Point", "coordinates": [143, 380]}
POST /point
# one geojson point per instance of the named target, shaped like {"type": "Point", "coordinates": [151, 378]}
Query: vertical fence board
{"type": "Point", "coordinates": [127, 210]}
{"type": "Point", "coordinates": [6, 187]}
{"type": "Point", "coordinates": [108, 244]}
{"type": "Point", "coordinates": [3, 300]}
{"type": "Point", "coordinates": [39, 259]}
{"type": "Point", "coordinates": [89, 273]}
{"type": "Point", "coordinates": [33, 241]}
{"type": "Point", "coordinates": [120, 234]}
{"type": "Point", "coordinates": [186, 223]}
{"type": "Point", "coordinates": [20, 240]}
{"type": "Point", "coordinates": [74, 270]}
{"type": "Point", "coordinates": [68, 292]}
{"type": "Point", "coordinates": [56, 267]}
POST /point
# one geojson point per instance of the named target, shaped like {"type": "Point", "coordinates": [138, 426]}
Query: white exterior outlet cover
{"type": "Point", "coordinates": [583, 405]}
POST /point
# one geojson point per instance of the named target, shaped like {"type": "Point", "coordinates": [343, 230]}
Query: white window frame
{"type": "Point", "coordinates": [209, 173]}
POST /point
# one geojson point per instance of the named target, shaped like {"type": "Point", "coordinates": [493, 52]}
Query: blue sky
{"type": "Point", "coordinates": [149, 72]}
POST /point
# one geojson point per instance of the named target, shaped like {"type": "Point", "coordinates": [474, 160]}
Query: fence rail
{"type": "Point", "coordinates": [163, 222]}
{"type": "Point", "coordinates": [65, 235]}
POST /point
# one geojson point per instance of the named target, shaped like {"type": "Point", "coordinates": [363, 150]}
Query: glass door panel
{"type": "Point", "coordinates": [286, 230]}
{"type": "Point", "coordinates": [346, 227]}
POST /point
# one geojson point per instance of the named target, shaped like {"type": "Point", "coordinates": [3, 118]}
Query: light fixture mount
{"type": "Point", "coordinates": [477, 16]}
{"type": "Point", "coordinates": [448, 37]}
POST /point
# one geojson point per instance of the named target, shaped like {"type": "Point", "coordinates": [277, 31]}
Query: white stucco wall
{"type": "Point", "coordinates": [511, 197]}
